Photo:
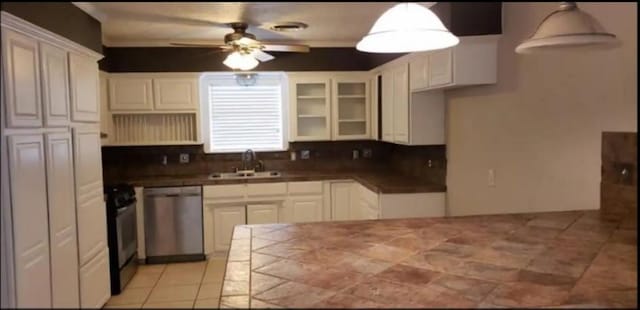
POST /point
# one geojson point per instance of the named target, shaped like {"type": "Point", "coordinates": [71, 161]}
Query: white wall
{"type": "Point", "coordinates": [540, 126]}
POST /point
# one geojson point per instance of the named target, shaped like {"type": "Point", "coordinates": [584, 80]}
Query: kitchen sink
{"type": "Point", "coordinates": [245, 175]}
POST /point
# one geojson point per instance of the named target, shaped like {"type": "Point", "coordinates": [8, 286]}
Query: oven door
{"type": "Point", "coordinates": [127, 233]}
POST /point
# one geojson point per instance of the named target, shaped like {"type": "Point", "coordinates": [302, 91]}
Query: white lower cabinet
{"type": "Point", "coordinates": [62, 221]}
{"type": "Point", "coordinates": [342, 201]}
{"type": "Point", "coordinates": [367, 204]}
{"type": "Point", "coordinates": [262, 213]}
{"type": "Point", "coordinates": [30, 222]}
{"type": "Point", "coordinates": [95, 285]}
{"type": "Point", "coordinates": [225, 218]}
{"type": "Point", "coordinates": [302, 209]}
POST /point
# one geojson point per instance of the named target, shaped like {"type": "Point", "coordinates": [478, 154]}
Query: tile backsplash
{"type": "Point", "coordinates": [126, 163]}
{"type": "Point", "coordinates": [619, 184]}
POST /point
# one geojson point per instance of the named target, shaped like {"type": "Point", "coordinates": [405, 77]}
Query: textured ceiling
{"type": "Point", "coordinates": [158, 23]}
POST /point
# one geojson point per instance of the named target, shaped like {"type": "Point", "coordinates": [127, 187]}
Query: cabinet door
{"type": "Point", "coordinates": [341, 198]}
{"type": "Point", "coordinates": [419, 73]}
{"type": "Point", "coordinates": [225, 218]}
{"type": "Point", "coordinates": [95, 285]}
{"type": "Point", "coordinates": [262, 213]}
{"type": "Point", "coordinates": [401, 104]}
{"type": "Point", "coordinates": [130, 94]}
{"type": "Point", "coordinates": [175, 94]}
{"type": "Point", "coordinates": [62, 220]}
{"type": "Point", "coordinates": [310, 109]}
{"type": "Point", "coordinates": [30, 222]}
{"type": "Point", "coordinates": [90, 206]}
{"type": "Point", "coordinates": [55, 85]}
{"type": "Point", "coordinates": [22, 80]}
{"type": "Point", "coordinates": [441, 67]}
{"type": "Point", "coordinates": [387, 106]}
{"type": "Point", "coordinates": [84, 89]}
{"type": "Point", "coordinates": [350, 107]}
{"type": "Point", "coordinates": [305, 209]}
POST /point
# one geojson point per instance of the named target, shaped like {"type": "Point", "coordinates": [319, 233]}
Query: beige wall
{"type": "Point", "coordinates": [540, 126]}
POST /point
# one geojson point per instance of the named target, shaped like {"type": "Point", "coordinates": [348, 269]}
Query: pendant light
{"type": "Point", "coordinates": [241, 61]}
{"type": "Point", "coordinates": [405, 28]}
{"type": "Point", "coordinates": [567, 27]}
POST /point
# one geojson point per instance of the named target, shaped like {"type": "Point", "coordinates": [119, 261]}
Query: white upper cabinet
{"type": "Point", "coordinates": [387, 105]}
{"type": "Point", "coordinates": [55, 85]}
{"type": "Point", "coordinates": [62, 220]}
{"type": "Point", "coordinates": [130, 94]}
{"type": "Point", "coordinates": [310, 108]}
{"type": "Point", "coordinates": [472, 62]}
{"type": "Point", "coordinates": [21, 76]}
{"type": "Point", "coordinates": [83, 73]}
{"type": "Point", "coordinates": [440, 67]}
{"type": "Point", "coordinates": [145, 92]}
{"type": "Point", "coordinates": [351, 109]}
{"type": "Point", "coordinates": [401, 104]}
{"type": "Point", "coordinates": [30, 221]}
{"type": "Point", "coordinates": [175, 94]}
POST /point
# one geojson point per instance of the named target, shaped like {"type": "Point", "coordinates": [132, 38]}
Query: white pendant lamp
{"type": "Point", "coordinates": [405, 28]}
{"type": "Point", "coordinates": [567, 27]}
{"type": "Point", "coordinates": [241, 61]}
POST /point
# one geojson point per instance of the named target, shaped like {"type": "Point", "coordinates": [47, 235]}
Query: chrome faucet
{"type": "Point", "coordinates": [248, 157]}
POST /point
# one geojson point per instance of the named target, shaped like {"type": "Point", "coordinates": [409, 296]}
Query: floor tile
{"type": "Point", "coordinates": [130, 296]}
{"type": "Point", "coordinates": [143, 279]}
{"type": "Point", "coordinates": [180, 277]}
{"type": "Point", "coordinates": [207, 303]}
{"type": "Point", "coordinates": [169, 305]}
{"type": "Point", "coordinates": [173, 293]}
{"type": "Point", "coordinates": [210, 291]}
{"type": "Point", "coordinates": [124, 306]}
{"type": "Point", "coordinates": [151, 268]}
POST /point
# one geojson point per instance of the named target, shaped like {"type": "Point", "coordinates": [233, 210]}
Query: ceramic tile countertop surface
{"type": "Point", "coordinates": [559, 259]}
{"type": "Point", "coordinates": [381, 182]}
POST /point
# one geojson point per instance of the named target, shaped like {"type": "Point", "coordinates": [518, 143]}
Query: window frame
{"type": "Point", "coordinates": [205, 119]}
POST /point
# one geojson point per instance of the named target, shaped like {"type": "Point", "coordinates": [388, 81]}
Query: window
{"type": "Point", "coordinates": [237, 115]}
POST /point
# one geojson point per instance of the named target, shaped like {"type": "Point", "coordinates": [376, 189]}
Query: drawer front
{"type": "Point", "coordinates": [314, 187]}
{"type": "Point", "coordinates": [266, 189]}
{"type": "Point", "coordinates": [225, 191]}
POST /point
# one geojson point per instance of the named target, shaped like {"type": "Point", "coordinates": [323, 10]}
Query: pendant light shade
{"type": "Point", "coordinates": [567, 27]}
{"type": "Point", "coordinates": [405, 28]}
{"type": "Point", "coordinates": [240, 61]}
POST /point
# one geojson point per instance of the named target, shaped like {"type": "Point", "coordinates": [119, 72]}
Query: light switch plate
{"type": "Point", "coordinates": [184, 158]}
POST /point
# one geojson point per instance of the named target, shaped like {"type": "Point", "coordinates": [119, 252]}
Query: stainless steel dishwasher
{"type": "Point", "coordinates": [173, 224]}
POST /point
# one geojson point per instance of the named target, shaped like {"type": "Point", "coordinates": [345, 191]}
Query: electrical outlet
{"type": "Point", "coordinates": [304, 154]}
{"type": "Point", "coordinates": [355, 154]}
{"type": "Point", "coordinates": [184, 158]}
{"type": "Point", "coordinates": [367, 153]}
{"type": "Point", "coordinates": [491, 178]}
{"type": "Point", "coordinates": [293, 155]}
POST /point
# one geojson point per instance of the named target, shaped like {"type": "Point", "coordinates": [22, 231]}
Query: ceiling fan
{"type": "Point", "coordinates": [245, 49]}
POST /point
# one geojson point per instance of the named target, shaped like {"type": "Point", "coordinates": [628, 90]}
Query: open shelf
{"type": "Point", "coordinates": [355, 120]}
{"type": "Point", "coordinates": [351, 96]}
{"type": "Point", "coordinates": [311, 97]}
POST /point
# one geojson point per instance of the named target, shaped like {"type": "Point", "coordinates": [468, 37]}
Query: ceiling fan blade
{"type": "Point", "coordinates": [286, 48]}
{"type": "Point", "coordinates": [260, 55]}
{"type": "Point", "coordinates": [218, 46]}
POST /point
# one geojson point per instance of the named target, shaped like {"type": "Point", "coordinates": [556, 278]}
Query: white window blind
{"type": "Point", "coordinates": [245, 117]}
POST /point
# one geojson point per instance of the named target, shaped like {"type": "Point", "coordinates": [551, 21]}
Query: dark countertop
{"type": "Point", "coordinates": [574, 259]}
{"type": "Point", "coordinates": [381, 182]}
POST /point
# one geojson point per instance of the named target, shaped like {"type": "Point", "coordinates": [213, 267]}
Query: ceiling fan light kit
{"type": "Point", "coordinates": [405, 28]}
{"type": "Point", "coordinates": [567, 27]}
{"type": "Point", "coordinates": [240, 61]}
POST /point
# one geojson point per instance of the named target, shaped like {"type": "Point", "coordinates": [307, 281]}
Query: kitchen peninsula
{"type": "Point", "coordinates": [556, 259]}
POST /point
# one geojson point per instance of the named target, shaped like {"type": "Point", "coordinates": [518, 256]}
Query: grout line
{"type": "Point", "coordinates": [154, 285]}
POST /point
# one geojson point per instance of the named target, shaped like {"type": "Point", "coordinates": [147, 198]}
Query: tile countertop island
{"type": "Point", "coordinates": [557, 259]}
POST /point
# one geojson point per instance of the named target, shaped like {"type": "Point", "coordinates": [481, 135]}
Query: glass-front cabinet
{"type": "Point", "coordinates": [350, 109]}
{"type": "Point", "coordinates": [326, 107]}
{"type": "Point", "coordinates": [310, 113]}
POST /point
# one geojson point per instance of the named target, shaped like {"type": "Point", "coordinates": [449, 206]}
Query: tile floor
{"type": "Point", "coordinates": [177, 285]}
